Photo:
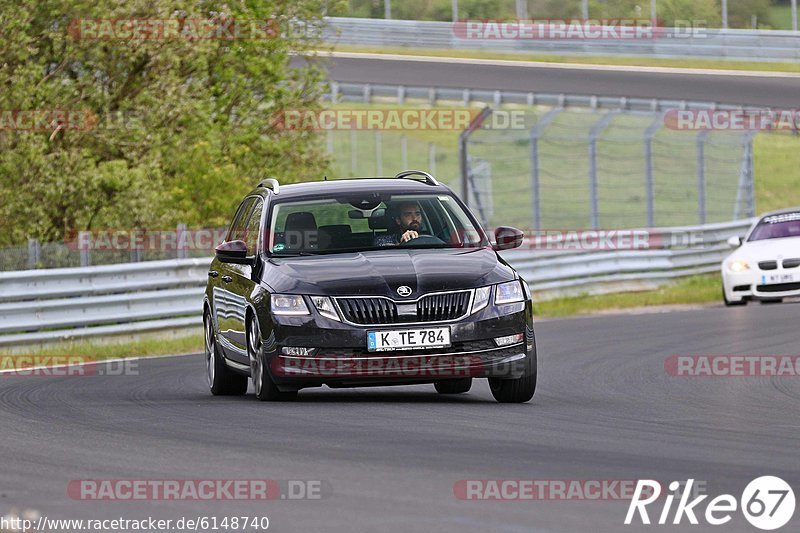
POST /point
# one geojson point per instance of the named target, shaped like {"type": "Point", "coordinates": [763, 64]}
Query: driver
{"type": "Point", "coordinates": [408, 219]}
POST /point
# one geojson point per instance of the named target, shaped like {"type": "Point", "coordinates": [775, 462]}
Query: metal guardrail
{"type": "Point", "coordinates": [38, 306]}
{"type": "Point", "coordinates": [743, 45]}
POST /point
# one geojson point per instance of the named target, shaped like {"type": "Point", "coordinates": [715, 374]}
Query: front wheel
{"type": "Point", "coordinates": [265, 388]}
{"type": "Point", "coordinates": [222, 381]}
{"type": "Point", "coordinates": [518, 390]}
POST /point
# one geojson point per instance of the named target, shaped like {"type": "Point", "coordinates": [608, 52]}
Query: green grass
{"type": "Point", "coordinates": [777, 171]}
{"type": "Point", "coordinates": [98, 350]}
{"type": "Point", "coordinates": [780, 17]}
{"type": "Point", "coordinates": [691, 290]}
{"type": "Point", "coordinates": [787, 66]}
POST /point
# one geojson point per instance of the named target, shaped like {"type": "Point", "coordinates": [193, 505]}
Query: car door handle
{"type": "Point", "coordinates": [227, 279]}
{"type": "Point", "coordinates": [213, 274]}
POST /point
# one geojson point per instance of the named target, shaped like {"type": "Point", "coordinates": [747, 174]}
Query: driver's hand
{"type": "Point", "coordinates": [408, 235]}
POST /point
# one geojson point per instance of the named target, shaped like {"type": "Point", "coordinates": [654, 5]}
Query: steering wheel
{"type": "Point", "coordinates": [423, 239]}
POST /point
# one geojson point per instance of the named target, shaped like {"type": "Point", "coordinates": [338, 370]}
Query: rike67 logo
{"type": "Point", "coordinates": [767, 503]}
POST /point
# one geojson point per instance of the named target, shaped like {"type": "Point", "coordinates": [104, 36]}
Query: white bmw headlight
{"type": "Point", "coordinates": [509, 293]}
{"type": "Point", "coordinates": [736, 266]}
{"type": "Point", "coordinates": [289, 304]}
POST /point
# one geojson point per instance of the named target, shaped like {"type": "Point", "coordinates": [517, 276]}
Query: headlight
{"type": "Point", "coordinates": [289, 304]}
{"type": "Point", "coordinates": [325, 307]}
{"type": "Point", "coordinates": [738, 266]}
{"type": "Point", "coordinates": [508, 293]}
{"type": "Point", "coordinates": [481, 298]}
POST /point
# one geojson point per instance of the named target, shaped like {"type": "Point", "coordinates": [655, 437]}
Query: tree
{"type": "Point", "coordinates": [155, 130]}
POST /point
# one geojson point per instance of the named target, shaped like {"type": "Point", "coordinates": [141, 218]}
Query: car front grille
{"type": "Point", "coordinates": [779, 287]}
{"type": "Point", "coordinates": [768, 265]}
{"type": "Point", "coordinates": [437, 307]}
{"type": "Point", "coordinates": [791, 263]}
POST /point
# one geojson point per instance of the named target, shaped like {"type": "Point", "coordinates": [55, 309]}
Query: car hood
{"type": "Point", "coordinates": [380, 273]}
{"type": "Point", "coordinates": [768, 250]}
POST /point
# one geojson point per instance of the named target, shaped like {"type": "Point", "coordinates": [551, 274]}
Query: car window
{"type": "Point", "coordinates": [777, 227]}
{"type": "Point", "coordinates": [342, 224]}
{"type": "Point", "coordinates": [238, 225]}
{"type": "Point", "coordinates": [253, 225]}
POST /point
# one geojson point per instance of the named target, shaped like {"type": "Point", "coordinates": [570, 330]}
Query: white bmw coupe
{"type": "Point", "coordinates": [765, 265]}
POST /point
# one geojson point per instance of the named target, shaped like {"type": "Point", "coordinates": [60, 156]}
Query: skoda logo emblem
{"type": "Point", "coordinates": [404, 290]}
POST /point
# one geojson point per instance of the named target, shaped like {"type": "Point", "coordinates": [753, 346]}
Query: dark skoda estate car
{"type": "Point", "coordinates": [365, 282]}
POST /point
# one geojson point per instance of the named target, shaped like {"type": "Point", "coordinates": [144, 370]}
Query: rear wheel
{"type": "Point", "coordinates": [453, 386]}
{"type": "Point", "coordinates": [729, 303]}
{"type": "Point", "coordinates": [222, 381]}
{"type": "Point", "coordinates": [265, 388]}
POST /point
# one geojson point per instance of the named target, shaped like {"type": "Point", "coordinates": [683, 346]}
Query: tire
{"type": "Point", "coordinates": [729, 303]}
{"type": "Point", "coordinates": [518, 390]}
{"type": "Point", "coordinates": [265, 388]}
{"type": "Point", "coordinates": [453, 386]}
{"type": "Point", "coordinates": [222, 381]}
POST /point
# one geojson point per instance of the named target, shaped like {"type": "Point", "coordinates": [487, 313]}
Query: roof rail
{"type": "Point", "coordinates": [430, 180]}
{"type": "Point", "coordinates": [271, 183]}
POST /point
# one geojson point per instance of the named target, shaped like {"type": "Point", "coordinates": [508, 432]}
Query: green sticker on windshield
{"type": "Point", "coordinates": [278, 247]}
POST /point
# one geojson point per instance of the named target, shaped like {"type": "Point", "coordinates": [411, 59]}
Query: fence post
{"type": "Point", "coordinates": [535, 133]}
{"type": "Point", "coordinates": [353, 155]}
{"type": "Point", "coordinates": [180, 242]}
{"type": "Point", "coordinates": [463, 155]}
{"type": "Point", "coordinates": [432, 158]}
{"type": "Point", "coordinates": [378, 153]}
{"type": "Point", "coordinates": [329, 144]}
{"type": "Point", "coordinates": [404, 151]}
{"type": "Point", "coordinates": [751, 178]}
{"type": "Point", "coordinates": [649, 176]}
{"type": "Point", "coordinates": [86, 258]}
{"type": "Point", "coordinates": [593, 185]}
{"type": "Point", "coordinates": [701, 176]}
{"type": "Point", "coordinates": [34, 253]}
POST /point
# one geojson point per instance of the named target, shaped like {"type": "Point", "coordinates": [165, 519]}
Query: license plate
{"type": "Point", "coordinates": [777, 278]}
{"type": "Point", "coordinates": [384, 341]}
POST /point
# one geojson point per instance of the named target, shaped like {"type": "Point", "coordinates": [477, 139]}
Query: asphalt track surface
{"type": "Point", "coordinates": [389, 457]}
{"type": "Point", "coordinates": [740, 88]}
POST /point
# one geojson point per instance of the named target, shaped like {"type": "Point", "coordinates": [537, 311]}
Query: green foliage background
{"type": "Point", "coordinates": [183, 126]}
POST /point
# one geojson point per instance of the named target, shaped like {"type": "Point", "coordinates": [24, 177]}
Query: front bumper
{"type": "Point", "coordinates": [340, 357]}
{"type": "Point", "coordinates": [757, 285]}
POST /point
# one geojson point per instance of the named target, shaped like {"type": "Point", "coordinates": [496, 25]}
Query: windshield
{"type": "Point", "coordinates": [777, 227]}
{"type": "Point", "coordinates": [370, 222]}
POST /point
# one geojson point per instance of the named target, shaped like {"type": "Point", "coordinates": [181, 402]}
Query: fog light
{"type": "Point", "coordinates": [297, 351]}
{"type": "Point", "coordinates": [508, 339]}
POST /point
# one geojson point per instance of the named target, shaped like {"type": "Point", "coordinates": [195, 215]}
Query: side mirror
{"type": "Point", "coordinates": [507, 238]}
{"type": "Point", "coordinates": [233, 252]}
{"type": "Point", "coordinates": [735, 241]}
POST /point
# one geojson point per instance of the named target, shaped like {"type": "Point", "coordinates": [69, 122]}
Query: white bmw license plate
{"type": "Point", "coordinates": [384, 341]}
{"type": "Point", "coordinates": [778, 278]}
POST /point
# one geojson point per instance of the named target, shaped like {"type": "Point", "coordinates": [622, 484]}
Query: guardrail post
{"type": "Point", "coordinates": [594, 133]}
{"type": "Point", "coordinates": [334, 91]}
{"type": "Point", "coordinates": [181, 251]}
{"type": "Point", "coordinates": [401, 94]}
{"type": "Point", "coordinates": [84, 237]}
{"type": "Point", "coordinates": [34, 253]}
{"type": "Point", "coordinates": [649, 176]}
{"type": "Point", "coordinates": [701, 176]}
{"type": "Point", "coordinates": [367, 95]}
{"type": "Point", "coordinates": [378, 153]}
{"type": "Point", "coordinates": [535, 133]}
